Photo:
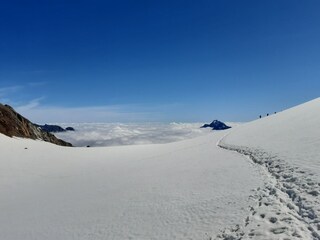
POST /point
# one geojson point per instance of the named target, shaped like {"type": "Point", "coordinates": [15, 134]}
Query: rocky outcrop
{"type": "Point", "coordinates": [14, 124]}
{"type": "Point", "coordinates": [216, 125]}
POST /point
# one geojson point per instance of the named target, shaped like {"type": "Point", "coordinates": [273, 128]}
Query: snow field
{"type": "Point", "coordinates": [259, 180]}
{"type": "Point", "coordinates": [183, 190]}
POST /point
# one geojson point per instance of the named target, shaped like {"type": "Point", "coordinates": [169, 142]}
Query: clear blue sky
{"type": "Point", "coordinates": [158, 60]}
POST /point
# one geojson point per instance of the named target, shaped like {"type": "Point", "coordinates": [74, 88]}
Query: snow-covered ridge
{"type": "Point", "coordinates": [287, 146]}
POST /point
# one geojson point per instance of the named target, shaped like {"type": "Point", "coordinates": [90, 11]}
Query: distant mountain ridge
{"type": "Point", "coordinates": [14, 124]}
{"type": "Point", "coordinates": [54, 128]}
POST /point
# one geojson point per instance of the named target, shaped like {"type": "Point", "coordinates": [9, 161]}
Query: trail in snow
{"type": "Point", "coordinates": [287, 207]}
{"type": "Point", "coordinates": [287, 147]}
{"type": "Point", "coordinates": [182, 190]}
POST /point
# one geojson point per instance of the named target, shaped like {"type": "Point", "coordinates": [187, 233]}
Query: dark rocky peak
{"type": "Point", "coordinates": [70, 129]}
{"type": "Point", "coordinates": [216, 125]}
{"type": "Point", "coordinates": [14, 124]}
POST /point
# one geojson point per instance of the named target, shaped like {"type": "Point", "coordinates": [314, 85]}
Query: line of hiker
{"type": "Point", "coordinates": [267, 115]}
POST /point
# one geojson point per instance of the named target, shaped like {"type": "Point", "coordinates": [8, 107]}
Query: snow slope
{"type": "Point", "coordinates": [190, 189]}
{"type": "Point", "coordinates": [287, 146]}
{"type": "Point", "coordinates": [183, 190]}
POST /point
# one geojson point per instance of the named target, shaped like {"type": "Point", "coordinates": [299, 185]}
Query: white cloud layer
{"type": "Point", "coordinates": [112, 134]}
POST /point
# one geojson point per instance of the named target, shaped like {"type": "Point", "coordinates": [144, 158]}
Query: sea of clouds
{"type": "Point", "coordinates": [113, 134]}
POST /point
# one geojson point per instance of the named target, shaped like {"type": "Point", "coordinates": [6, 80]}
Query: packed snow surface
{"type": "Point", "coordinates": [287, 146]}
{"type": "Point", "coordinates": [189, 189]}
{"type": "Point", "coordinates": [259, 180]}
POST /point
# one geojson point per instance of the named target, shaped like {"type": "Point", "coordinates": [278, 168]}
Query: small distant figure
{"type": "Point", "coordinates": [88, 145]}
{"type": "Point", "coordinates": [267, 114]}
{"type": "Point", "coordinates": [25, 148]}
{"type": "Point", "coordinates": [260, 116]}
{"type": "Point", "coordinates": [275, 112]}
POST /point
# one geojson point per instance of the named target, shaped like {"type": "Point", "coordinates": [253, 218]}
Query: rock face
{"type": "Point", "coordinates": [14, 124]}
{"type": "Point", "coordinates": [216, 125]}
{"type": "Point", "coordinates": [70, 129]}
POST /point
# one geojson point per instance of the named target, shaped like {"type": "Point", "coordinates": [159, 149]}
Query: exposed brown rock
{"type": "Point", "coordinates": [14, 124]}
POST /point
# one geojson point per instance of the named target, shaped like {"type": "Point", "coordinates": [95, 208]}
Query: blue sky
{"type": "Point", "coordinates": [120, 61]}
